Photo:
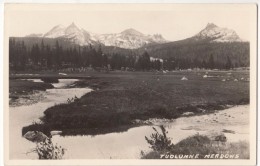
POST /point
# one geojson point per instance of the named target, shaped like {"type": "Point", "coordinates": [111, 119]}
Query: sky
{"type": "Point", "coordinates": [172, 21]}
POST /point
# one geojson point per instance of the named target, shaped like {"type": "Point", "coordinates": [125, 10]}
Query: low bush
{"type": "Point", "coordinates": [159, 141]}
{"type": "Point", "coordinates": [46, 150]}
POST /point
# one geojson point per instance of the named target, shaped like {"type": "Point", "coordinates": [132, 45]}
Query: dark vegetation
{"type": "Point", "coordinates": [123, 97]}
{"type": "Point", "coordinates": [54, 57]}
{"type": "Point", "coordinates": [46, 150]}
{"type": "Point", "coordinates": [23, 87]}
{"type": "Point", "coordinates": [30, 54]}
{"type": "Point", "coordinates": [198, 144]}
{"type": "Point", "coordinates": [159, 141]}
{"type": "Point", "coordinates": [50, 80]}
{"type": "Point", "coordinates": [189, 53]}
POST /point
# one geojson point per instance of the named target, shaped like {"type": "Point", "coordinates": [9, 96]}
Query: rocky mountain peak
{"type": "Point", "coordinates": [132, 31]}
{"type": "Point", "coordinates": [211, 25]}
{"type": "Point", "coordinates": [217, 34]}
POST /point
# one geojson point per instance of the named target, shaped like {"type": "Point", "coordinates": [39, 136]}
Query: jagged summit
{"type": "Point", "coordinates": [132, 31]}
{"type": "Point", "coordinates": [210, 26]}
{"type": "Point", "coordinates": [72, 28]}
{"type": "Point", "coordinates": [72, 25]}
{"type": "Point", "coordinates": [217, 34]}
{"type": "Point", "coordinates": [129, 38]}
{"type": "Point", "coordinates": [133, 39]}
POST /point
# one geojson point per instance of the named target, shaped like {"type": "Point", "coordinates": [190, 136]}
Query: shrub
{"type": "Point", "coordinates": [46, 150]}
{"type": "Point", "coordinates": [159, 141]}
{"type": "Point", "coordinates": [196, 144]}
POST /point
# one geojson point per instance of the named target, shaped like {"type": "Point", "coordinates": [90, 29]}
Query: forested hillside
{"type": "Point", "coordinates": [45, 53]}
{"type": "Point", "coordinates": [205, 54]}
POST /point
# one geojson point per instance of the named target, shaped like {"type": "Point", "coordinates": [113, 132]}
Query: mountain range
{"type": "Point", "coordinates": [131, 38]}
{"type": "Point", "coordinates": [212, 41]}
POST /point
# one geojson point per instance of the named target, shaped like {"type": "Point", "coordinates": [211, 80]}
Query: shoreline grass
{"type": "Point", "coordinates": [25, 89]}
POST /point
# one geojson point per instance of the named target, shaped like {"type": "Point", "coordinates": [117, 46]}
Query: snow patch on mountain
{"type": "Point", "coordinates": [218, 34]}
{"type": "Point", "coordinates": [55, 32]}
{"type": "Point", "coordinates": [129, 38]}
{"type": "Point", "coordinates": [72, 32]}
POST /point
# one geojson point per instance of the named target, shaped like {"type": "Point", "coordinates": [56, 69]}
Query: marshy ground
{"type": "Point", "coordinates": [120, 98]}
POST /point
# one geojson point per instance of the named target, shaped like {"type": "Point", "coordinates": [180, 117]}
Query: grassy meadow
{"type": "Point", "coordinates": [121, 97]}
{"type": "Point", "coordinates": [19, 88]}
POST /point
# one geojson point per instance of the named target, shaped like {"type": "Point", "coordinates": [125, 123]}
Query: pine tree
{"type": "Point", "coordinates": [228, 63]}
{"type": "Point", "coordinates": [211, 63]}
{"type": "Point", "coordinates": [144, 61]}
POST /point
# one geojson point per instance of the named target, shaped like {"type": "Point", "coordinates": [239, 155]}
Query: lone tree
{"type": "Point", "coordinates": [144, 62]}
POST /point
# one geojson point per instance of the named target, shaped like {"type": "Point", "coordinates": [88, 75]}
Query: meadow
{"type": "Point", "coordinates": [119, 98]}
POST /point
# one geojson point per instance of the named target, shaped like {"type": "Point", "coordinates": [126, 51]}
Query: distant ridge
{"type": "Point", "coordinates": [129, 38]}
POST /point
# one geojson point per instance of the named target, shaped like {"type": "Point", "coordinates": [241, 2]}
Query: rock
{"type": "Point", "coordinates": [56, 132]}
{"type": "Point", "coordinates": [64, 74]}
{"type": "Point", "coordinates": [224, 80]}
{"type": "Point", "coordinates": [221, 138]}
{"type": "Point", "coordinates": [184, 78]}
{"type": "Point", "coordinates": [137, 121]}
{"type": "Point", "coordinates": [202, 110]}
{"type": "Point", "coordinates": [235, 80]}
{"type": "Point", "coordinates": [188, 113]}
{"type": "Point", "coordinates": [205, 76]}
{"type": "Point", "coordinates": [35, 136]}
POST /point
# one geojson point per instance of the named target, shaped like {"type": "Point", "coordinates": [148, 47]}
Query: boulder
{"type": "Point", "coordinates": [184, 78]}
{"type": "Point", "coordinates": [188, 113]}
{"type": "Point", "coordinates": [35, 136]}
{"type": "Point", "coordinates": [56, 132]}
{"type": "Point", "coordinates": [221, 138]}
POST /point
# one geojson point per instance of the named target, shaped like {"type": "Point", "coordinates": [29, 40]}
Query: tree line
{"type": "Point", "coordinates": [210, 55]}
{"type": "Point", "coordinates": [42, 56]}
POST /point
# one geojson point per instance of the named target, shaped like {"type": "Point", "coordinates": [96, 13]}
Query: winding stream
{"type": "Point", "coordinates": [119, 145]}
{"type": "Point", "coordinates": [24, 115]}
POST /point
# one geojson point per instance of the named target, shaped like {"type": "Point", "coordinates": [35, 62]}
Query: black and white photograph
{"type": "Point", "coordinates": [175, 83]}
